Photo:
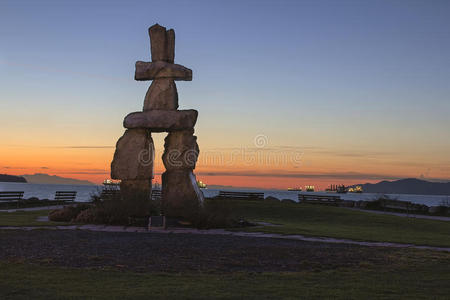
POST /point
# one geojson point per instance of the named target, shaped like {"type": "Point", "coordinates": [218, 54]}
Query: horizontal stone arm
{"type": "Point", "coordinates": [162, 120]}
{"type": "Point", "coordinates": [161, 69]}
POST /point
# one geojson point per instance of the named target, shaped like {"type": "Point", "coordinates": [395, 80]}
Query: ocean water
{"type": "Point", "coordinates": [84, 192]}
{"type": "Point", "coordinates": [47, 191]}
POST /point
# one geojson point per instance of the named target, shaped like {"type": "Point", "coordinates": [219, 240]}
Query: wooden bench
{"type": "Point", "coordinates": [65, 196]}
{"type": "Point", "coordinates": [156, 194]}
{"type": "Point", "coordinates": [319, 199]}
{"type": "Point", "coordinates": [241, 195]}
{"type": "Point", "coordinates": [108, 194]}
{"type": "Point", "coordinates": [8, 197]}
{"type": "Point", "coordinates": [400, 205]}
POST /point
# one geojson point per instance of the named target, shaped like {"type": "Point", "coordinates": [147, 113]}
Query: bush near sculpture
{"type": "Point", "coordinates": [117, 210]}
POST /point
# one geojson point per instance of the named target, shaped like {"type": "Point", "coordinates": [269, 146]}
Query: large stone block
{"type": "Point", "coordinates": [181, 197]}
{"type": "Point", "coordinates": [180, 150]}
{"type": "Point", "coordinates": [161, 69]}
{"type": "Point", "coordinates": [158, 42]}
{"type": "Point", "coordinates": [161, 95]}
{"type": "Point", "coordinates": [162, 43]}
{"type": "Point", "coordinates": [134, 156]}
{"type": "Point", "coordinates": [162, 120]}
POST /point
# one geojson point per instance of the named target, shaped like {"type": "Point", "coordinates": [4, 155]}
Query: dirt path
{"type": "Point", "coordinates": [298, 237]}
{"type": "Point", "coordinates": [176, 252]}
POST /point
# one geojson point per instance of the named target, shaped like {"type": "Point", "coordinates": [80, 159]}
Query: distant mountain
{"type": "Point", "coordinates": [11, 178]}
{"type": "Point", "coordinates": [408, 186]}
{"type": "Point", "coordinates": [53, 179]}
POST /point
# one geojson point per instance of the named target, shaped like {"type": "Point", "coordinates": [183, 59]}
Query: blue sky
{"type": "Point", "coordinates": [343, 76]}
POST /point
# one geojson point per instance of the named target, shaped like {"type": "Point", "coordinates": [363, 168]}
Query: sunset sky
{"type": "Point", "coordinates": [289, 93]}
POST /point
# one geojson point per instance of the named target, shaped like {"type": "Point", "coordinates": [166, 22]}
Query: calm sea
{"type": "Point", "coordinates": [47, 191]}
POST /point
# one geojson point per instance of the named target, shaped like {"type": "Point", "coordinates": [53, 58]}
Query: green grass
{"type": "Point", "coordinates": [408, 273]}
{"type": "Point", "coordinates": [25, 218]}
{"type": "Point", "coordinates": [310, 220]}
{"type": "Point", "coordinates": [418, 276]}
{"type": "Point", "coordinates": [315, 220]}
{"type": "Point", "coordinates": [33, 203]}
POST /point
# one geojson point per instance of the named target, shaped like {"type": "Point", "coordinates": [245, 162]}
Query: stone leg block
{"type": "Point", "coordinates": [181, 197]}
{"type": "Point", "coordinates": [180, 150]}
{"type": "Point", "coordinates": [134, 156]}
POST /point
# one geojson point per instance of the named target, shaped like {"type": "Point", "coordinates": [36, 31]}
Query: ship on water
{"type": "Point", "coordinates": [355, 189]}
{"type": "Point", "coordinates": [110, 182]}
{"type": "Point", "coordinates": [335, 188]}
{"type": "Point", "coordinates": [295, 189]}
{"type": "Point", "coordinates": [201, 185]}
{"type": "Point", "coordinates": [309, 188]}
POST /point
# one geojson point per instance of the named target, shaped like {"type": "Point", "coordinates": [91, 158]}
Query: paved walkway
{"type": "Point", "coordinates": [439, 218]}
{"type": "Point", "coordinates": [108, 228]}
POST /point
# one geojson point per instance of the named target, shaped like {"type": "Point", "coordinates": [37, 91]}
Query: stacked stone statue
{"type": "Point", "coordinates": [133, 159]}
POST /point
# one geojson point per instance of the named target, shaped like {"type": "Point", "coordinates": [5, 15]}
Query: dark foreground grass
{"type": "Point", "coordinates": [336, 222]}
{"type": "Point", "coordinates": [426, 278]}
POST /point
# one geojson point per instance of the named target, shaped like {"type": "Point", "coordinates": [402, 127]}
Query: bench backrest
{"type": "Point", "coordinates": [11, 196]}
{"type": "Point", "coordinates": [109, 193]}
{"type": "Point", "coordinates": [397, 204]}
{"type": "Point", "coordinates": [156, 194]}
{"type": "Point", "coordinates": [241, 195]}
{"type": "Point", "coordinates": [65, 195]}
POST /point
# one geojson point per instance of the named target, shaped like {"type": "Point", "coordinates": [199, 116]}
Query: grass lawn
{"type": "Point", "coordinates": [311, 220]}
{"type": "Point", "coordinates": [25, 218]}
{"type": "Point", "coordinates": [408, 273]}
{"type": "Point", "coordinates": [409, 277]}
{"type": "Point", "coordinates": [315, 220]}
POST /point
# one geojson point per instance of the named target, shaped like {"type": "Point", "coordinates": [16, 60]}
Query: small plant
{"type": "Point", "coordinates": [67, 213]}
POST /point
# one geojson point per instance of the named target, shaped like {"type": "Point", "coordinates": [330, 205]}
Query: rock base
{"type": "Point", "coordinates": [181, 197]}
{"type": "Point", "coordinates": [138, 189]}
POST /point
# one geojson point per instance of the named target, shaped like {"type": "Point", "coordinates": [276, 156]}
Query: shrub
{"type": "Point", "coordinates": [271, 199]}
{"type": "Point", "coordinates": [90, 215]}
{"type": "Point", "coordinates": [67, 213]}
{"type": "Point", "coordinates": [378, 203]}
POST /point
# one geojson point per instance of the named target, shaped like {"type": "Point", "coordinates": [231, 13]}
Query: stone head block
{"type": "Point", "coordinates": [162, 43]}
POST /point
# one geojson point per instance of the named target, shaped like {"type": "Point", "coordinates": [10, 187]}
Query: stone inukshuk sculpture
{"type": "Point", "coordinates": [133, 159]}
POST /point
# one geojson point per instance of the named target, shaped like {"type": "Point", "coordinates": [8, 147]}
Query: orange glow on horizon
{"type": "Point", "coordinates": [316, 169]}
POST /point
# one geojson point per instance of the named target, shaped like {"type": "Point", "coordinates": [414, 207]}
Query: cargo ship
{"type": "Point", "coordinates": [110, 182]}
{"type": "Point", "coordinates": [309, 188]}
{"type": "Point", "coordinates": [355, 189]}
{"type": "Point", "coordinates": [201, 185]}
{"type": "Point", "coordinates": [295, 189]}
{"type": "Point", "coordinates": [334, 188]}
